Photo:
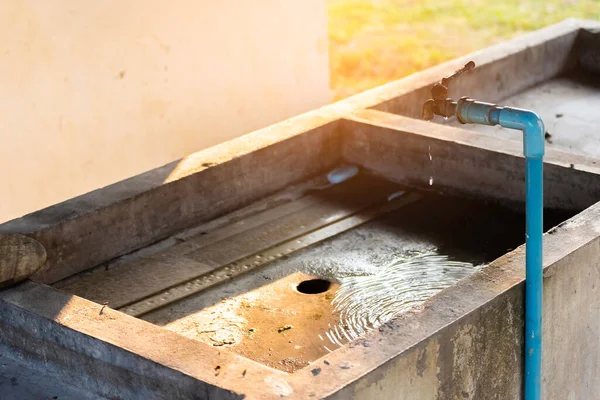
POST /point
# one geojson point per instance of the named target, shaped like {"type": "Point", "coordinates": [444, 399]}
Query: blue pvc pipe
{"type": "Point", "coordinates": [533, 278]}
{"type": "Point", "coordinates": [474, 112]}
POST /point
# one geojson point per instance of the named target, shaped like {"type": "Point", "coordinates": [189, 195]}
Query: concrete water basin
{"type": "Point", "coordinates": [225, 275]}
{"type": "Point", "coordinates": [264, 285]}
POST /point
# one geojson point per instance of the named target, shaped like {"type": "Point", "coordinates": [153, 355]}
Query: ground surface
{"type": "Point", "coordinates": [376, 41]}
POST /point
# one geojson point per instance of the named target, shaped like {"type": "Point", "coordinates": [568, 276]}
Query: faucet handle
{"type": "Point", "coordinates": [466, 68]}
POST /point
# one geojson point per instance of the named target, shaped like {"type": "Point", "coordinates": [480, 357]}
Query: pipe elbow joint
{"type": "Point", "coordinates": [532, 126]}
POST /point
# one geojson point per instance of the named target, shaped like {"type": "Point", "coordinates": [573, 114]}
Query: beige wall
{"type": "Point", "coordinates": [93, 92]}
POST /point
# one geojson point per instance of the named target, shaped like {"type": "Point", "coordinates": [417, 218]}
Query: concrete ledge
{"type": "Point", "coordinates": [114, 355]}
{"type": "Point", "coordinates": [18, 382]}
{"type": "Point", "coordinates": [398, 148]}
{"type": "Point", "coordinates": [109, 222]}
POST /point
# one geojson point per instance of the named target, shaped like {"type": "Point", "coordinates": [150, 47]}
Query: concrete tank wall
{"type": "Point", "coordinates": [94, 92]}
{"type": "Point", "coordinates": [480, 355]}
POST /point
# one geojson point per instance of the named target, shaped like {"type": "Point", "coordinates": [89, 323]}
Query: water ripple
{"type": "Point", "coordinates": [366, 302]}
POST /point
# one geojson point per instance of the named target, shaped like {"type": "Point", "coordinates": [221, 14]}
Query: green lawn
{"type": "Point", "coordinates": [376, 41]}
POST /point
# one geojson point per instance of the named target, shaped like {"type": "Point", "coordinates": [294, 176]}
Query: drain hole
{"type": "Point", "coordinates": [313, 286]}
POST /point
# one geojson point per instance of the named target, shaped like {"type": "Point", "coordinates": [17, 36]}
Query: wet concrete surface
{"type": "Point", "coordinates": [275, 324]}
{"type": "Point", "coordinates": [261, 315]}
{"type": "Point", "coordinates": [230, 242]}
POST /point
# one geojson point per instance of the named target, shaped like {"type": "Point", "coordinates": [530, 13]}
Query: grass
{"type": "Point", "coordinates": [376, 41]}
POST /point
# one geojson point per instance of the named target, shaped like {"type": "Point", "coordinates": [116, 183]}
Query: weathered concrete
{"type": "Point", "coordinates": [101, 350]}
{"type": "Point", "coordinates": [18, 382]}
{"type": "Point", "coordinates": [464, 343]}
{"type": "Point", "coordinates": [20, 258]}
{"type": "Point", "coordinates": [399, 148]}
